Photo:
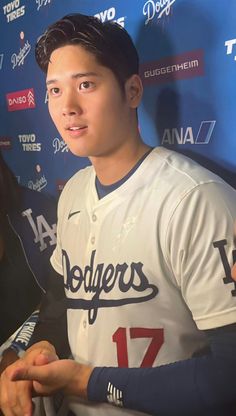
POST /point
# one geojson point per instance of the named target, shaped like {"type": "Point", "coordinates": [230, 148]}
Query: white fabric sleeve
{"type": "Point", "coordinates": [199, 247]}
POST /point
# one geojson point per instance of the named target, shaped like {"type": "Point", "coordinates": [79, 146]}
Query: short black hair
{"type": "Point", "coordinates": [108, 42]}
{"type": "Point", "coordinates": [9, 191]}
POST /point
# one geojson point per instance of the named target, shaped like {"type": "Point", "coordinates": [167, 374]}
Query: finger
{"type": "Point", "coordinates": [45, 358]}
{"type": "Point", "coordinates": [16, 400]}
{"type": "Point", "coordinates": [233, 272]}
{"type": "Point", "coordinates": [40, 347]}
{"type": "Point", "coordinates": [30, 373]}
{"type": "Point", "coordinates": [24, 397]}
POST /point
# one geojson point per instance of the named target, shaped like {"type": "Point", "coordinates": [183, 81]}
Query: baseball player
{"type": "Point", "coordinates": [144, 246]}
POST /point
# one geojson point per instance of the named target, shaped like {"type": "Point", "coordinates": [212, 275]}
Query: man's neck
{"type": "Point", "coordinates": [111, 168]}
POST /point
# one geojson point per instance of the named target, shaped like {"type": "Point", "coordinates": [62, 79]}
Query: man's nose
{"type": "Point", "coordinates": [71, 104]}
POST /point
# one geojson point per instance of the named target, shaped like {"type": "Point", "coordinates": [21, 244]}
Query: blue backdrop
{"type": "Point", "coordinates": [187, 50]}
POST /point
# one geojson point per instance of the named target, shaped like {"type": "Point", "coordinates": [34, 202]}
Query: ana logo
{"type": "Point", "coordinates": [110, 15]}
{"type": "Point", "coordinates": [184, 66]}
{"type": "Point", "coordinates": [5, 143]}
{"type": "Point", "coordinates": [28, 142]}
{"type": "Point", "coordinates": [1, 60]}
{"type": "Point", "coordinates": [13, 10]}
{"type": "Point", "coordinates": [230, 46]}
{"type": "Point", "coordinates": [21, 100]}
{"type": "Point", "coordinates": [59, 145]}
{"type": "Point", "coordinates": [158, 9]}
{"type": "Point", "coordinates": [19, 59]}
{"type": "Point", "coordinates": [42, 3]}
{"type": "Point", "coordinates": [41, 229]}
{"type": "Point", "coordinates": [186, 136]}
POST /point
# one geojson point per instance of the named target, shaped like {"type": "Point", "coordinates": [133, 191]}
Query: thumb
{"type": "Point", "coordinates": [30, 372]}
{"type": "Point", "coordinates": [23, 373]}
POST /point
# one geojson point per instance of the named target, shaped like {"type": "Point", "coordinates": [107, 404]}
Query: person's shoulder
{"type": "Point", "coordinates": [29, 196]}
{"type": "Point", "coordinates": [184, 169]}
{"type": "Point", "coordinates": [33, 205]}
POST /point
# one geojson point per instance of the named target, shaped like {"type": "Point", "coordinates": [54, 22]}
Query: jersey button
{"type": "Point", "coordinates": [93, 240]}
{"type": "Point", "coordinates": [84, 324]}
{"type": "Point", "coordinates": [94, 217]}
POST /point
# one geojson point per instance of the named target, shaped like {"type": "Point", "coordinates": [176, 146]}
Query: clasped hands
{"type": "Point", "coordinates": [40, 373]}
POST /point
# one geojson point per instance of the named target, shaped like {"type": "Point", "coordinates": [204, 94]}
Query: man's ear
{"type": "Point", "coordinates": [134, 90]}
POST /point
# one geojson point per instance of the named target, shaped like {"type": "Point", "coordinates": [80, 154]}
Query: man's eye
{"type": "Point", "coordinates": [54, 91]}
{"type": "Point", "coordinates": [85, 85]}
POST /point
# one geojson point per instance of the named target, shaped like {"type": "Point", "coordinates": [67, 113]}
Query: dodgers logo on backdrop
{"type": "Point", "coordinates": [59, 145]}
{"type": "Point", "coordinates": [18, 59]}
{"type": "Point", "coordinates": [40, 181]}
{"type": "Point", "coordinates": [110, 15]}
{"type": "Point", "coordinates": [157, 9]}
{"type": "Point", "coordinates": [41, 229]}
{"type": "Point", "coordinates": [28, 142]}
{"type": "Point", "coordinates": [42, 3]}
{"type": "Point", "coordinates": [13, 10]}
{"type": "Point", "coordinates": [21, 100]}
{"type": "Point", "coordinates": [186, 136]}
{"type": "Point", "coordinates": [230, 47]}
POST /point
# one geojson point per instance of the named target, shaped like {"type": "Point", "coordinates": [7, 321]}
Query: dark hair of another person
{"type": "Point", "coordinates": [9, 190]}
{"type": "Point", "coordinates": [108, 42]}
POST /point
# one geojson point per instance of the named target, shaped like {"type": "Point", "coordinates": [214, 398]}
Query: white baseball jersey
{"type": "Point", "coordinates": [147, 266]}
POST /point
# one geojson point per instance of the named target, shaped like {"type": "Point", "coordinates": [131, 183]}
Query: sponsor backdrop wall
{"type": "Point", "coordinates": [188, 64]}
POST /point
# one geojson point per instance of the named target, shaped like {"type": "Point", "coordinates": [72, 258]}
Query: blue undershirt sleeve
{"type": "Point", "coordinates": [200, 386]}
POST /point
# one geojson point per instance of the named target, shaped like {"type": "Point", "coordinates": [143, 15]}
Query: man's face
{"type": "Point", "coordinates": [91, 113]}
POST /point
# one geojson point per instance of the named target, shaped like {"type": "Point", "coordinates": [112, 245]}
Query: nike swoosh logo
{"type": "Point", "coordinates": [73, 213]}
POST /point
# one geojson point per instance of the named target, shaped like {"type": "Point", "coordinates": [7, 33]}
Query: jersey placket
{"type": "Point", "coordinates": [83, 333]}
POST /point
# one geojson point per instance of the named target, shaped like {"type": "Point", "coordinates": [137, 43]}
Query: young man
{"type": "Point", "coordinates": [144, 245]}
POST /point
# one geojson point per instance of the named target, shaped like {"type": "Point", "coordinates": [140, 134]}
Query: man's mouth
{"type": "Point", "coordinates": [76, 128]}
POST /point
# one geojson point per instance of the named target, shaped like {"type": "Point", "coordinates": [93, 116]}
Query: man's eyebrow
{"type": "Point", "coordinates": [75, 76]}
